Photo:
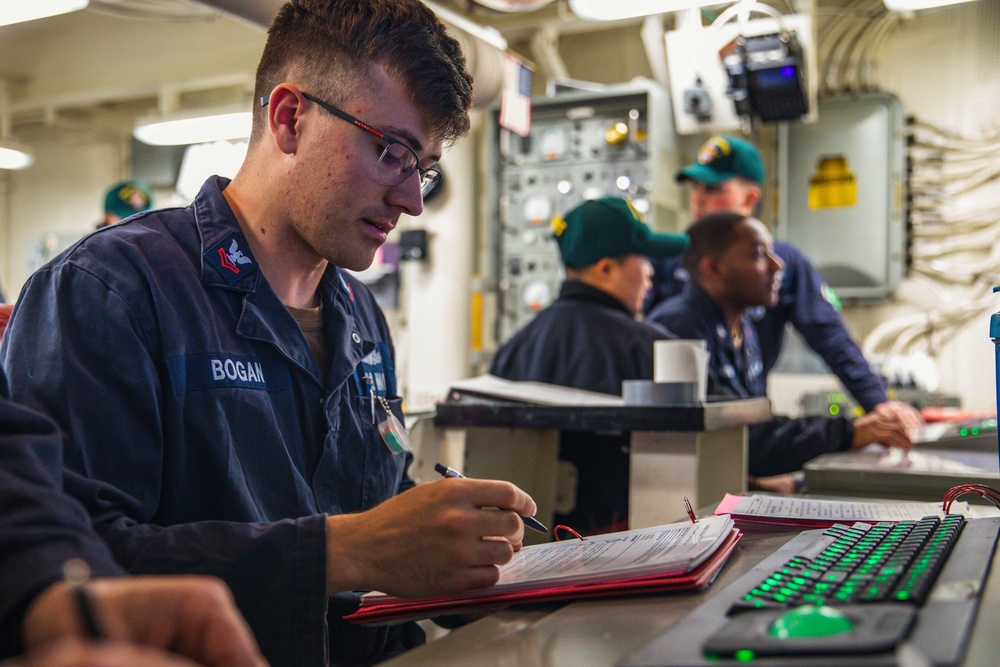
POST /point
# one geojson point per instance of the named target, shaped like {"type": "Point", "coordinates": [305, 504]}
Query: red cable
{"type": "Point", "coordinates": [952, 494]}
{"type": "Point", "coordinates": [555, 532]}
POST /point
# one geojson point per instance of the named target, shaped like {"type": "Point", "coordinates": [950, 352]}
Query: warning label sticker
{"type": "Point", "coordinates": [833, 185]}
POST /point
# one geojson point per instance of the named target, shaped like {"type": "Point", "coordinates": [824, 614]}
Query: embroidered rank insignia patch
{"type": "Point", "coordinates": [232, 258]}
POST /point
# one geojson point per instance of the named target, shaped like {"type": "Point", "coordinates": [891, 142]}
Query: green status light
{"type": "Point", "coordinates": [834, 410]}
{"type": "Point", "coordinates": [745, 655]}
{"type": "Point", "coordinates": [963, 431]}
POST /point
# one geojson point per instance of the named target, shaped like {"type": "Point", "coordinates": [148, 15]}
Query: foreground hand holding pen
{"type": "Point", "coordinates": [159, 621]}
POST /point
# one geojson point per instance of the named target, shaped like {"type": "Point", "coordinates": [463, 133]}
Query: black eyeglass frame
{"type": "Point", "coordinates": [429, 177]}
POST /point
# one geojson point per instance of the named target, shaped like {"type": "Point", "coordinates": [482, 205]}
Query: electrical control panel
{"type": "Point", "coordinates": [582, 145]}
{"type": "Point", "coordinates": [842, 200]}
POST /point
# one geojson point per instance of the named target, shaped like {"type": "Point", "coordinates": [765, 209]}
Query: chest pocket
{"type": "Point", "coordinates": [377, 369]}
{"type": "Point", "coordinates": [383, 469]}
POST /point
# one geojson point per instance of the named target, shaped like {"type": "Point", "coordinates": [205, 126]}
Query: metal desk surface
{"type": "Point", "coordinates": [925, 473]}
{"type": "Point", "coordinates": [599, 633]}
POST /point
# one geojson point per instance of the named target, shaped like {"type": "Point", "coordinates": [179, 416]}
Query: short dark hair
{"type": "Point", "coordinates": [333, 45]}
{"type": "Point", "coordinates": [710, 236]}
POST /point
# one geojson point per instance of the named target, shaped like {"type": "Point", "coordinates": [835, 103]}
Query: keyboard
{"type": "Point", "coordinates": [883, 562]}
{"type": "Point", "coordinates": [888, 594]}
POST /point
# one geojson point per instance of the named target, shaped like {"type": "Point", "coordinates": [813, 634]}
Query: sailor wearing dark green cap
{"type": "Point", "coordinates": [590, 337]}
{"type": "Point", "coordinates": [721, 159]}
{"type": "Point", "coordinates": [727, 175]}
{"type": "Point", "coordinates": [125, 199]}
{"type": "Point", "coordinates": [610, 227]}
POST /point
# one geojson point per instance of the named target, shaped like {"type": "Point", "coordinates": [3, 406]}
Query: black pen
{"type": "Point", "coordinates": [529, 521]}
{"type": "Point", "coordinates": [76, 574]}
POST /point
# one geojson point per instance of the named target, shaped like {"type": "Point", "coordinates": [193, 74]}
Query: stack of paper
{"type": "Point", "coordinates": [680, 556]}
{"type": "Point", "coordinates": [798, 512]}
{"type": "Point", "coordinates": [539, 393]}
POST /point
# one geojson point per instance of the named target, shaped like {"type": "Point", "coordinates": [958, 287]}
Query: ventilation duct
{"type": "Point", "coordinates": [484, 48]}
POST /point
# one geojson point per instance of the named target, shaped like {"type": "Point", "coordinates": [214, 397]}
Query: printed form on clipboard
{"type": "Point", "coordinates": [798, 512]}
{"type": "Point", "coordinates": [679, 556]}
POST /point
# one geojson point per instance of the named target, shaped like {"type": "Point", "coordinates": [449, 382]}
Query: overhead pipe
{"type": "Point", "coordinates": [484, 47]}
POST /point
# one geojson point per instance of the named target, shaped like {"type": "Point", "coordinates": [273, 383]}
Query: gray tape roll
{"type": "Point", "coordinates": [647, 392]}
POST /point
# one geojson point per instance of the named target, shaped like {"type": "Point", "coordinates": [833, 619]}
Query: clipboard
{"type": "Point", "coordinates": [674, 557]}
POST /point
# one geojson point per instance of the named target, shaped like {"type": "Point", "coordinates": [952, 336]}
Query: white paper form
{"type": "Point", "coordinates": [676, 547]}
{"type": "Point", "coordinates": [671, 548]}
{"type": "Point", "coordinates": [807, 509]}
{"type": "Point", "coordinates": [539, 393]}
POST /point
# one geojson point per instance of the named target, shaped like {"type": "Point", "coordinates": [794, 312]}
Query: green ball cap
{"type": "Point", "coordinates": [128, 198]}
{"type": "Point", "coordinates": [722, 158]}
{"type": "Point", "coordinates": [610, 227]}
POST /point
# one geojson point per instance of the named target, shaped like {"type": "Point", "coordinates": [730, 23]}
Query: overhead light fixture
{"type": "Point", "coordinates": [514, 5]}
{"type": "Point", "coordinates": [15, 156]}
{"type": "Point", "coordinates": [18, 12]}
{"type": "Point", "coordinates": [914, 5]}
{"type": "Point", "coordinates": [194, 129]}
{"type": "Point", "coordinates": [220, 158]}
{"type": "Point", "coordinates": [616, 10]}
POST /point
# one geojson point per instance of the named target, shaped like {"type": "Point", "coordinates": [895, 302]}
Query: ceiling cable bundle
{"type": "Point", "coordinates": [954, 230]}
{"type": "Point", "coordinates": [851, 41]}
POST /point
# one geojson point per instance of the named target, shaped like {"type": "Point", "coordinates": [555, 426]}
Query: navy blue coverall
{"type": "Point", "coordinates": [40, 526]}
{"type": "Point", "coordinates": [780, 445]}
{"type": "Point", "coordinates": [586, 339]}
{"type": "Point", "coordinates": [802, 302]}
{"type": "Point", "coordinates": [589, 340]}
{"type": "Point", "coordinates": [205, 438]}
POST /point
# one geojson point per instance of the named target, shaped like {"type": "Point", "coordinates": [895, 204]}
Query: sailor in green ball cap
{"type": "Point", "coordinates": [591, 338]}
{"type": "Point", "coordinates": [125, 199]}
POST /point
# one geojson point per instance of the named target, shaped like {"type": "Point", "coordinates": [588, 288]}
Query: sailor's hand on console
{"type": "Point", "coordinates": [882, 427]}
{"type": "Point", "coordinates": [437, 538]}
{"type": "Point", "coordinates": [905, 413]}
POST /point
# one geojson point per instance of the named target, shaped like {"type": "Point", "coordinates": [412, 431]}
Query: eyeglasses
{"type": "Point", "coordinates": [397, 162]}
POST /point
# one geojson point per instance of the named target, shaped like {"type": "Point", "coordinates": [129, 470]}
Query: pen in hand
{"type": "Point", "coordinates": [529, 521]}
